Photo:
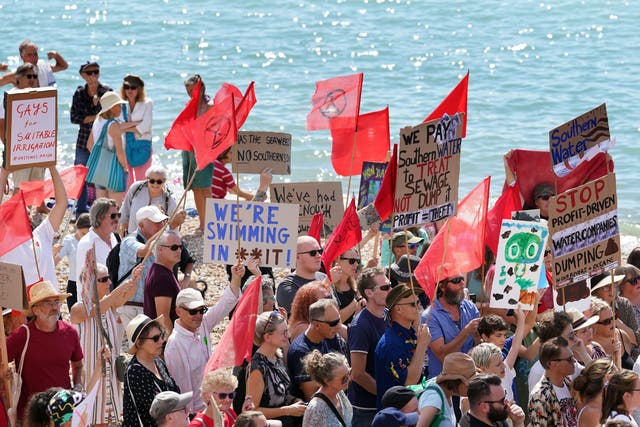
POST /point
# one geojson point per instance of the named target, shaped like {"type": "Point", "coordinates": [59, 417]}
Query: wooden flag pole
{"type": "Point", "coordinates": [235, 165]}
{"type": "Point", "coordinates": [617, 356]}
{"type": "Point", "coordinates": [4, 362]}
{"type": "Point", "coordinates": [353, 155]}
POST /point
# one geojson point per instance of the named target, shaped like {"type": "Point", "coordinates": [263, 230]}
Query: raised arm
{"type": "Point", "coordinates": [57, 213]}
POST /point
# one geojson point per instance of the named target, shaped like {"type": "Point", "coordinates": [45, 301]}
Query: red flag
{"type": "Point", "coordinates": [73, 179]}
{"type": "Point", "coordinates": [237, 340]}
{"type": "Point", "coordinates": [385, 198]}
{"type": "Point", "coordinates": [315, 229]}
{"type": "Point", "coordinates": [242, 103]}
{"type": "Point", "coordinates": [345, 236]}
{"type": "Point", "coordinates": [336, 100]}
{"type": "Point", "coordinates": [214, 132]}
{"type": "Point", "coordinates": [459, 246]}
{"type": "Point", "coordinates": [533, 167]}
{"type": "Point", "coordinates": [369, 143]}
{"type": "Point", "coordinates": [455, 102]}
{"type": "Point", "coordinates": [508, 202]}
{"type": "Point", "coordinates": [16, 228]}
{"type": "Point", "coordinates": [227, 89]}
{"type": "Point", "coordinates": [177, 137]}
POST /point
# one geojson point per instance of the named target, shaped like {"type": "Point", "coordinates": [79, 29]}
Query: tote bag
{"type": "Point", "coordinates": [103, 165]}
{"type": "Point", "coordinates": [138, 151]}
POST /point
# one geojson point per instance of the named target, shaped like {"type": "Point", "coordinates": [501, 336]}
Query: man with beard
{"type": "Point", "coordinates": [453, 322]}
{"type": "Point", "coordinates": [488, 405]}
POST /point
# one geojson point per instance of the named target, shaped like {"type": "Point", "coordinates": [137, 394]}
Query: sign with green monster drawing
{"type": "Point", "coordinates": [518, 264]}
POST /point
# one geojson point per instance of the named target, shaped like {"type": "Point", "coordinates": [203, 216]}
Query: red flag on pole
{"type": "Point", "coordinates": [237, 340]}
{"type": "Point", "coordinates": [315, 229]}
{"type": "Point", "coordinates": [455, 102]}
{"type": "Point", "coordinates": [242, 103]}
{"type": "Point", "coordinates": [385, 198]}
{"type": "Point", "coordinates": [177, 137]}
{"type": "Point", "coordinates": [371, 143]}
{"type": "Point", "coordinates": [73, 179]}
{"type": "Point", "coordinates": [345, 236]}
{"type": "Point", "coordinates": [336, 100]}
{"type": "Point", "coordinates": [16, 228]}
{"type": "Point", "coordinates": [459, 246]}
{"type": "Point", "coordinates": [508, 202]}
{"type": "Point", "coordinates": [227, 89]}
{"type": "Point", "coordinates": [213, 132]}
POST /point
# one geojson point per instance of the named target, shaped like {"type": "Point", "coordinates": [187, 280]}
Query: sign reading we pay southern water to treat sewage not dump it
{"type": "Point", "coordinates": [585, 238]}
{"type": "Point", "coordinates": [266, 230]}
{"type": "Point", "coordinates": [428, 172]}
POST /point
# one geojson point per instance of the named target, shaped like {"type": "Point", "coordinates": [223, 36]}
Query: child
{"type": "Point", "coordinates": [68, 249]}
{"type": "Point", "coordinates": [222, 180]}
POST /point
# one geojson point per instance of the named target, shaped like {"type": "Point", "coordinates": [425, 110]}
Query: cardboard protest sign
{"type": "Point", "coordinates": [574, 295]}
{"type": "Point", "coordinates": [266, 230]}
{"type": "Point", "coordinates": [13, 293]}
{"type": "Point", "coordinates": [258, 150]}
{"type": "Point", "coordinates": [370, 181]}
{"type": "Point", "coordinates": [518, 264]}
{"type": "Point", "coordinates": [31, 127]}
{"type": "Point", "coordinates": [579, 139]}
{"type": "Point", "coordinates": [313, 197]}
{"type": "Point", "coordinates": [428, 172]}
{"type": "Point", "coordinates": [585, 238]}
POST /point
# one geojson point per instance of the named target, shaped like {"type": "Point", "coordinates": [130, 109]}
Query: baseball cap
{"type": "Point", "coordinates": [88, 64]}
{"type": "Point", "coordinates": [167, 402]}
{"type": "Point", "coordinates": [152, 213]}
{"type": "Point", "coordinates": [189, 298]}
{"type": "Point", "coordinates": [399, 239]}
{"type": "Point", "coordinates": [397, 396]}
{"type": "Point", "coordinates": [392, 417]}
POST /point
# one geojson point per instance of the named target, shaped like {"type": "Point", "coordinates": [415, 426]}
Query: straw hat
{"type": "Point", "coordinates": [135, 328]}
{"type": "Point", "coordinates": [108, 100]}
{"type": "Point", "coordinates": [606, 281]}
{"type": "Point", "coordinates": [579, 320]}
{"type": "Point", "coordinates": [43, 290]}
{"type": "Point", "coordinates": [457, 366]}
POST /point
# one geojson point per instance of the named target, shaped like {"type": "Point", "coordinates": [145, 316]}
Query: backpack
{"type": "Point", "coordinates": [113, 262]}
{"type": "Point", "coordinates": [431, 385]}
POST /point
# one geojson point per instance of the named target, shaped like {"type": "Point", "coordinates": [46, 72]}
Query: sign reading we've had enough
{"type": "Point", "coordinates": [313, 198]}
{"type": "Point", "coordinates": [258, 150]}
{"type": "Point", "coordinates": [428, 172]}
{"type": "Point", "coordinates": [266, 230]}
{"type": "Point", "coordinates": [585, 237]}
{"type": "Point", "coordinates": [31, 127]}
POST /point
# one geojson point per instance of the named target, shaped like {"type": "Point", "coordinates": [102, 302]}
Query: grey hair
{"type": "Point", "coordinates": [101, 268]}
{"type": "Point", "coordinates": [319, 308]}
{"type": "Point", "coordinates": [163, 239]}
{"type": "Point", "coordinates": [483, 352]}
{"type": "Point", "coordinates": [156, 169]}
{"type": "Point", "coordinates": [25, 44]}
{"type": "Point", "coordinates": [320, 366]}
{"type": "Point", "coordinates": [99, 210]}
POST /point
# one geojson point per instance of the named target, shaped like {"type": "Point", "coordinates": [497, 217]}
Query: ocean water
{"type": "Point", "coordinates": [533, 66]}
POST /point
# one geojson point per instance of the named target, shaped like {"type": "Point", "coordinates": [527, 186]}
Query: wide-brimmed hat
{"type": "Point", "coordinates": [401, 237]}
{"type": "Point", "coordinates": [457, 366]}
{"type": "Point", "coordinates": [606, 281]}
{"type": "Point", "coordinates": [108, 100]}
{"type": "Point", "coordinates": [135, 328]}
{"type": "Point", "coordinates": [400, 292]}
{"type": "Point", "coordinates": [579, 320]}
{"type": "Point", "coordinates": [43, 290]}
{"type": "Point", "coordinates": [400, 269]}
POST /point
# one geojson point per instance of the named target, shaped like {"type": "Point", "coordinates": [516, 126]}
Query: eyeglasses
{"type": "Point", "coordinates": [104, 279]}
{"type": "Point", "coordinates": [312, 253]}
{"type": "Point", "coordinates": [346, 377]}
{"type": "Point", "coordinates": [566, 359]}
{"type": "Point", "coordinates": [194, 311]}
{"type": "Point", "coordinates": [155, 181]}
{"type": "Point", "coordinates": [115, 215]}
{"type": "Point", "coordinates": [456, 280]}
{"type": "Point", "coordinates": [330, 323]}
{"type": "Point", "coordinates": [273, 315]}
{"type": "Point", "coordinates": [412, 303]}
{"type": "Point", "coordinates": [30, 76]}
{"type": "Point", "coordinates": [383, 287]}
{"type": "Point", "coordinates": [172, 247]}
{"type": "Point", "coordinates": [92, 72]}
{"type": "Point", "coordinates": [54, 303]}
{"type": "Point", "coordinates": [129, 87]}
{"type": "Point", "coordinates": [224, 396]}
{"type": "Point", "coordinates": [545, 197]}
{"type": "Point", "coordinates": [351, 260]}
{"type": "Point", "coordinates": [155, 338]}
{"type": "Point", "coordinates": [605, 322]}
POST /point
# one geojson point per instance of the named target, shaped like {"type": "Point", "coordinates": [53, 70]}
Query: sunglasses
{"type": "Point", "coordinates": [155, 338]}
{"type": "Point", "coordinates": [383, 287]}
{"type": "Point", "coordinates": [351, 260]}
{"type": "Point", "coordinates": [224, 396]}
{"type": "Point", "coordinates": [456, 280]}
{"type": "Point", "coordinates": [194, 311]}
{"type": "Point", "coordinates": [115, 215]}
{"type": "Point", "coordinates": [104, 279]}
{"type": "Point", "coordinates": [605, 322]}
{"type": "Point", "coordinates": [330, 323]}
{"type": "Point", "coordinates": [346, 377]}
{"type": "Point", "coordinates": [545, 197]}
{"type": "Point", "coordinates": [92, 72]}
{"type": "Point", "coordinates": [156, 181]}
{"type": "Point", "coordinates": [501, 401]}
{"type": "Point", "coordinates": [31, 76]}
{"type": "Point", "coordinates": [566, 359]}
{"type": "Point", "coordinates": [413, 245]}
{"type": "Point", "coordinates": [313, 252]}
{"type": "Point", "coordinates": [129, 87]}
{"type": "Point", "coordinates": [412, 303]}
{"type": "Point", "coordinates": [172, 247]}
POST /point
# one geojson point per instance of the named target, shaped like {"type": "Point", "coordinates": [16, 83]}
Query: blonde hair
{"type": "Point", "coordinates": [598, 305]}
{"type": "Point", "coordinates": [266, 323]}
{"type": "Point", "coordinates": [482, 354]}
{"type": "Point", "coordinates": [320, 366]}
{"type": "Point", "coordinates": [221, 378]}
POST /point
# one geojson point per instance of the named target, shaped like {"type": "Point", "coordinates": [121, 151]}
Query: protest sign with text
{"type": "Point", "coordinates": [13, 292]}
{"type": "Point", "coordinates": [578, 140]}
{"type": "Point", "coordinates": [313, 197]}
{"type": "Point", "coordinates": [585, 238]}
{"type": "Point", "coordinates": [370, 181]}
{"type": "Point", "coordinates": [258, 150]}
{"type": "Point", "coordinates": [31, 127]}
{"type": "Point", "coordinates": [266, 230]}
{"type": "Point", "coordinates": [428, 172]}
{"type": "Point", "coordinates": [518, 264]}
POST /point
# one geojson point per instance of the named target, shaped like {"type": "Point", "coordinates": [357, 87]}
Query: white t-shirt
{"type": "Point", "coordinates": [537, 372]}
{"type": "Point", "coordinates": [507, 382]}
{"type": "Point", "coordinates": [432, 398]}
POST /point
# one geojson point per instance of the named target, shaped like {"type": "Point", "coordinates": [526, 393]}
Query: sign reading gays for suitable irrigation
{"type": "Point", "coordinates": [258, 150]}
{"type": "Point", "coordinates": [579, 139]}
{"type": "Point", "coordinates": [31, 127]}
{"type": "Point", "coordinates": [313, 198]}
{"type": "Point", "coordinates": [585, 238]}
{"type": "Point", "coordinates": [428, 172]}
{"type": "Point", "coordinates": [518, 264]}
{"type": "Point", "coordinates": [266, 230]}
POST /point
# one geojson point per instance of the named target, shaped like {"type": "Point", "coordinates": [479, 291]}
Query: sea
{"type": "Point", "coordinates": [533, 66]}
